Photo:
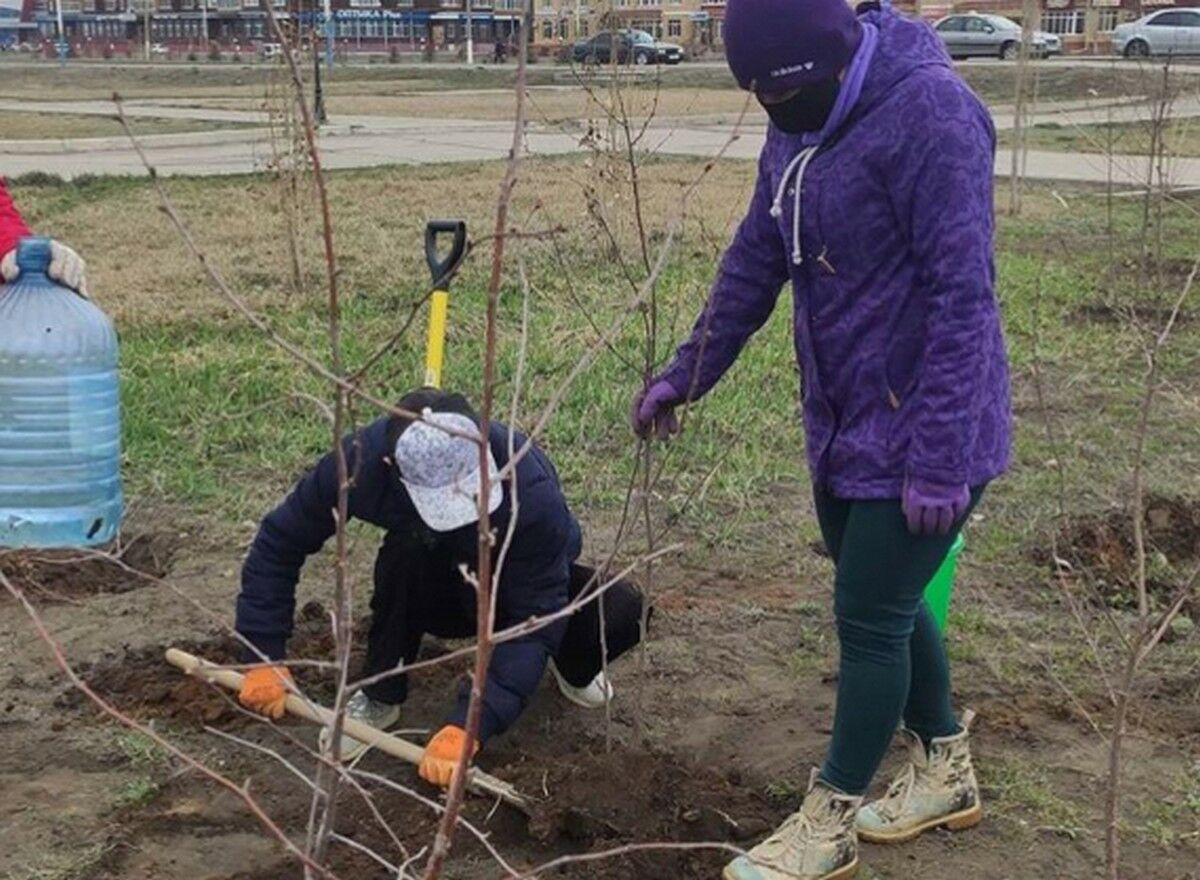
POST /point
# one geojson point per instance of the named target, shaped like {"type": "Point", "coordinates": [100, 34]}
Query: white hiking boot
{"type": "Point", "coordinates": [817, 843]}
{"type": "Point", "coordinates": [362, 708]}
{"type": "Point", "coordinates": [934, 790]}
{"type": "Point", "coordinates": [594, 695]}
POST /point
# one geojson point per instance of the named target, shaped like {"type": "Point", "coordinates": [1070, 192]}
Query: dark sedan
{"type": "Point", "coordinates": [630, 47]}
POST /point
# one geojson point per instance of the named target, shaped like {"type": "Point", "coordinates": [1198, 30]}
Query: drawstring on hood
{"type": "Point", "coordinates": [797, 166]}
{"type": "Point", "coordinates": [852, 85]}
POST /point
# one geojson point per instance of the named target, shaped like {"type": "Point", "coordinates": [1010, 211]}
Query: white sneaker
{"type": "Point", "coordinates": [362, 708]}
{"type": "Point", "coordinates": [594, 695]}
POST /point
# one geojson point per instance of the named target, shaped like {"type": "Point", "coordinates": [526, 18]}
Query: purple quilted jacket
{"type": "Point", "coordinates": [897, 329]}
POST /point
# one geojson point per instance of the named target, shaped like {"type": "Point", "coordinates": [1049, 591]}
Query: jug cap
{"type": "Point", "coordinates": [33, 253]}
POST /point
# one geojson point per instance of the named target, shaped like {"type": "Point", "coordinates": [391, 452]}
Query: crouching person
{"type": "Point", "coordinates": [419, 480]}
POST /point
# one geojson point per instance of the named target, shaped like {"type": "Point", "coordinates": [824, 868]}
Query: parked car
{"type": "Point", "coordinates": [994, 36]}
{"type": "Point", "coordinates": [159, 50]}
{"type": "Point", "coordinates": [1169, 32]}
{"type": "Point", "coordinates": [632, 47]}
{"type": "Point", "coordinates": [270, 51]}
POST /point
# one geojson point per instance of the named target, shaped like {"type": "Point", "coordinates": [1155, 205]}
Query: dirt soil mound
{"type": "Point", "coordinates": [586, 802]}
{"type": "Point", "coordinates": [599, 801]}
{"type": "Point", "coordinates": [1103, 546]}
{"type": "Point", "coordinates": [69, 575]}
{"type": "Point", "coordinates": [142, 683]}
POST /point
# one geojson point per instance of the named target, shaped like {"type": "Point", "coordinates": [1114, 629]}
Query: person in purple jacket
{"type": "Point", "coordinates": [874, 198]}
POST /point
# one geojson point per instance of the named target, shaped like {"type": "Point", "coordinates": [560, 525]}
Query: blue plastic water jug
{"type": "Point", "coordinates": [60, 412]}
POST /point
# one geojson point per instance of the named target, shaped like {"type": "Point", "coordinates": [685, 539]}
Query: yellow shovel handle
{"type": "Point", "coordinates": [435, 348]}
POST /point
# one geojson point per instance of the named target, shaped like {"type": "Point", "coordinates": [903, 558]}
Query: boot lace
{"type": "Point", "coordinates": [789, 841]}
{"type": "Point", "coordinates": [895, 802]}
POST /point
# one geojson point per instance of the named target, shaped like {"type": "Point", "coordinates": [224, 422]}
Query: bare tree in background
{"type": "Point", "coordinates": [290, 166]}
{"type": "Point", "coordinates": [1023, 103]}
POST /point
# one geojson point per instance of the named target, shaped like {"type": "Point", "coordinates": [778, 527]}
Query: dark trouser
{"type": "Point", "coordinates": [419, 592]}
{"type": "Point", "coordinates": [579, 655]}
{"type": "Point", "coordinates": [893, 660]}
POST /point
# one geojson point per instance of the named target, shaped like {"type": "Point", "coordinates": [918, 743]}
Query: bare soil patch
{"type": "Point", "coordinates": [712, 743]}
{"type": "Point", "coordinates": [71, 575]}
{"type": "Point", "coordinates": [601, 801]}
{"type": "Point", "coordinates": [1102, 545]}
{"type": "Point", "coordinates": [588, 802]}
{"type": "Point", "coordinates": [141, 683]}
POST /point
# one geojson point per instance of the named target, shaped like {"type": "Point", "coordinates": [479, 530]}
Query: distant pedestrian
{"type": "Point", "coordinates": [874, 198]}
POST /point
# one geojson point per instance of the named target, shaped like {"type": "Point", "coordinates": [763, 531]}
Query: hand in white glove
{"type": "Point", "coordinates": [66, 267]}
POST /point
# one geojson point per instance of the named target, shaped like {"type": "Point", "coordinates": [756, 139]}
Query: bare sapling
{"type": "Point", "coordinates": [1150, 625]}
{"type": "Point", "coordinates": [289, 162]}
{"type": "Point", "coordinates": [485, 582]}
{"type": "Point", "coordinates": [1030, 17]}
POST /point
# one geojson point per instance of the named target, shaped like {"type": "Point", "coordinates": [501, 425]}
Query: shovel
{"type": "Point", "coordinates": [442, 268]}
{"type": "Point", "coordinates": [477, 781]}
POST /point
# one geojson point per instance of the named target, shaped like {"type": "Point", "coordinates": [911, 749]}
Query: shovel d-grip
{"type": "Point", "coordinates": [442, 268]}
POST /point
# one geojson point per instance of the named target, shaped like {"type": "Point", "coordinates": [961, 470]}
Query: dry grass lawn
{"type": "Point", "coordinates": [39, 126]}
{"type": "Point", "coordinates": [96, 80]}
{"type": "Point", "coordinates": [379, 216]}
{"type": "Point", "coordinates": [1181, 137]}
{"type": "Point", "coordinates": [551, 104]}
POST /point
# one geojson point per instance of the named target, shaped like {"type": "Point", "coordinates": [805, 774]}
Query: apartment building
{"type": "Point", "coordinates": [694, 24]}
{"type": "Point", "coordinates": [1085, 26]}
{"type": "Point", "coordinates": [96, 26]}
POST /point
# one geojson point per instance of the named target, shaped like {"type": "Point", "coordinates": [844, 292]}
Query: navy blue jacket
{"type": "Point", "coordinates": [534, 580]}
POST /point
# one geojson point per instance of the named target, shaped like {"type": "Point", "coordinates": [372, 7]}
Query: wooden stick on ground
{"type": "Point", "coordinates": [478, 781]}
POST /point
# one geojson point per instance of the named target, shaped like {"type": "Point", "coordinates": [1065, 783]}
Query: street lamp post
{"type": "Point", "coordinates": [318, 93]}
{"type": "Point", "coordinates": [470, 36]}
{"type": "Point", "coordinates": [62, 34]}
{"type": "Point", "coordinates": [328, 35]}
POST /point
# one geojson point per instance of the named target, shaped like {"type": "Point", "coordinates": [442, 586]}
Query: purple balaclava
{"type": "Point", "coordinates": [778, 45]}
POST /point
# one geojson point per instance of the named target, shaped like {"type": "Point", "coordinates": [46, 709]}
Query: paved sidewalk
{"type": "Point", "coordinates": [366, 141]}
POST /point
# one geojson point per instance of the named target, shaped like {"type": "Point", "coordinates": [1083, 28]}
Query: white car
{"type": "Point", "coordinates": [1168, 32]}
{"type": "Point", "coordinates": [972, 34]}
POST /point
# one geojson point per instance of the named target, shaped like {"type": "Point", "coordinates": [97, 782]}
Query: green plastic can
{"type": "Point", "coordinates": [941, 588]}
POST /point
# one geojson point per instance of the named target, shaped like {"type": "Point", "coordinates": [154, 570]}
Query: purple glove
{"type": "Point", "coordinates": [654, 407]}
{"type": "Point", "coordinates": [931, 508]}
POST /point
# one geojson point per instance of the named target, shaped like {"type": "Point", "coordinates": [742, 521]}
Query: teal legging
{"type": "Point", "coordinates": [893, 660]}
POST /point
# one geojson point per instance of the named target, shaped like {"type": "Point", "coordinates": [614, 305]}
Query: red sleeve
{"type": "Point", "coordinates": [12, 227]}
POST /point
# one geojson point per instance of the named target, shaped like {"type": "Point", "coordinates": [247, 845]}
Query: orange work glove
{"type": "Point", "coordinates": [265, 690]}
{"type": "Point", "coordinates": [441, 755]}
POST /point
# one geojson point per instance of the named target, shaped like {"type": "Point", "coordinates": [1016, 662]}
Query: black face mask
{"type": "Point", "coordinates": [808, 109]}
